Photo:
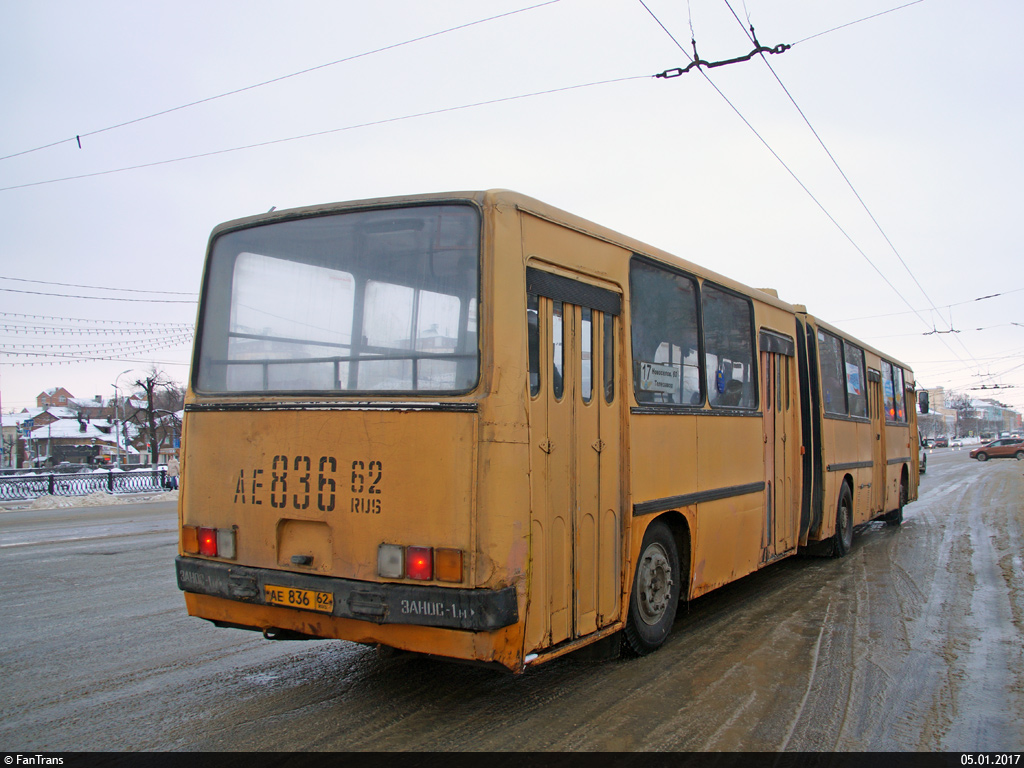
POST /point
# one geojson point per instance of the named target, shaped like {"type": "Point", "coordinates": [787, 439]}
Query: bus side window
{"type": "Point", "coordinates": [609, 358]}
{"type": "Point", "coordinates": [533, 341]}
{"type": "Point", "coordinates": [888, 392]}
{"type": "Point", "coordinates": [833, 390]}
{"type": "Point", "coordinates": [855, 394]}
{"type": "Point", "coordinates": [729, 348]}
{"type": "Point", "coordinates": [897, 380]}
{"type": "Point", "coordinates": [664, 336]}
{"type": "Point", "coordinates": [557, 350]}
{"type": "Point", "coordinates": [586, 354]}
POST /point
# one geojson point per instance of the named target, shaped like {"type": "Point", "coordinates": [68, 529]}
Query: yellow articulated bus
{"type": "Point", "coordinates": [474, 426]}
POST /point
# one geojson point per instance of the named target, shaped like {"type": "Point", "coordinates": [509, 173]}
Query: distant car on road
{"type": "Point", "coordinates": [942, 442]}
{"type": "Point", "coordinates": [922, 459]}
{"type": "Point", "coordinates": [1007, 447]}
{"type": "Point", "coordinates": [956, 444]}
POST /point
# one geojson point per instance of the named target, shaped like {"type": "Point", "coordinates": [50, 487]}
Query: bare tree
{"type": "Point", "coordinates": [164, 397]}
{"type": "Point", "coordinates": [10, 449]}
{"type": "Point", "coordinates": [966, 415]}
{"type": "Point", "coordinates": [931, 425]}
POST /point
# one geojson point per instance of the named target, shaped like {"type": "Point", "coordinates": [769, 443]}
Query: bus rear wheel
{"type": "Point", "coordinates": [842, 540]}
{"type": "Point", "coordinates": [655, 595]}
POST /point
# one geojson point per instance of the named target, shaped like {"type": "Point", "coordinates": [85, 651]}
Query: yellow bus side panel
{"type": "Point", "coordinates": [676, 455]}
{"type": "Point", "coordinates": [727, 542]}
{"type": "Point", "coordinates": [573, 250]}
{"type": "Point", "coordinates": [897, 446]}
{"type": "Point", "coordinates": [730, 452]}
{"type": "Point", "coordinates": [848, 442]}
{"type": "Point", "coordinates": [503, 544]}
{"type": "Point", "coordinates": [663, 460]}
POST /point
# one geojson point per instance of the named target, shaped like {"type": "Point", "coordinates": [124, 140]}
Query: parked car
{"type": "Point", "coordinates": [1007, 447]}
{"type": "Point", "coordinates": [942, 442]}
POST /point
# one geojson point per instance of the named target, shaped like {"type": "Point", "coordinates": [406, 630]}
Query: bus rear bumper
{"type": "Point", "coordinates": [480, 610]}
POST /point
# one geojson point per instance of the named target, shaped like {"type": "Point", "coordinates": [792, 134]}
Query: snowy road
{"type": "Point", "coordinates": [915, 641]}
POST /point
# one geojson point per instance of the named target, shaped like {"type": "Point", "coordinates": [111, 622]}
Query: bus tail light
{"type": "Point", "coordinates": [209, 542]}
{"type": "Point", "coordinates": [190, 539]}
{"type": "Point", "coordinates": [390, 561]}
{"type": "Point", "coordinates": [448, 564]}
{"type": "Point", "coordinates": [419, 563]}
{"type": "Point", "coordinates": [395, 561]}
{"type": "Point", "coordinates": [226, 542]}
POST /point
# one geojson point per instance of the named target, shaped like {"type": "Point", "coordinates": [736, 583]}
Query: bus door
{"type": "Point", "coordinates": [575, 579]}
{"type": "Point", "coordinates": [779, 406]}
{"type": "Point", "coordinates": [876, 411]}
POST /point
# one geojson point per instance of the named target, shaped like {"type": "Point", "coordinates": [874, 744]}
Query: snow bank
{"type": "Point", "coordinates": [98, 499]}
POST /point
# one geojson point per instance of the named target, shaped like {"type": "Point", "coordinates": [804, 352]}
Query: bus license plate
{"type": "Point", "coordinates": [306, 599]}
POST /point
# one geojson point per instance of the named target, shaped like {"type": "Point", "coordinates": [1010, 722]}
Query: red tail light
{"type": "Point", "coordinates": [395, 561]}
{"type": "Point", "coordinates": [419, 563]}
{"type": "Point", "coordinates": [208, 542]}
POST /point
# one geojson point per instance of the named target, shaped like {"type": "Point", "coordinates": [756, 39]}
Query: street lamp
{"type": "Point", "coordinates": [117, 413]}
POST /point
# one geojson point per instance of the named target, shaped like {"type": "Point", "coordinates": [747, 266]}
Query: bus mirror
{"type": "Point", "coordinates": [922, 401]}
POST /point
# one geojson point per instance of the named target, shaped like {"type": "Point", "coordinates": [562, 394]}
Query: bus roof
{"type": "Point", "coordinates": [497, 198]}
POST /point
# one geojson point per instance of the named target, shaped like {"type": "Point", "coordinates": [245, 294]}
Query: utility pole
{"type": "Point", "coordinates": [117, 414]}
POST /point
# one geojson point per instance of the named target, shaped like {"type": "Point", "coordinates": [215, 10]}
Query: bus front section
{"type": "Point", "coordinates": [330, 443]}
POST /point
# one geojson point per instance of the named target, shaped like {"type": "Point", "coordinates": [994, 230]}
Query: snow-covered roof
{"type": "Point", "coordinates": [58, 412]}
{"type": "Point", "coordinates": [16, 419]}
{"type": "Point", "coordinates": [71, 428]}
{"type": "Point", "coordinates": [82, 402]}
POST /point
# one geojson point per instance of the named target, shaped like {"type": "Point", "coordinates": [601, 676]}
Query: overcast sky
{"type": "Point", "coordinates": [920, 108]}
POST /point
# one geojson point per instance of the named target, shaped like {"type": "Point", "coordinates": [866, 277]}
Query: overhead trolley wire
{"type": "Point", "coordinates": [99, 287]}
{"type": "Point", "coordinates": [78, 137]}
{"type": "Point", "coordinates": [858, 21]}
{"type": "Point", "coordinates": [842, 173]}
{"type": "Point", "coordinates": [327, 132]}
{"type": "Point", "coordinates": [668, 73]}
{"type": "Point", "coordinates": [945, 306]}
{"type": "Point", "coordinates": [99, 298]}
{"type": "Point", "coordinates": [856, 194]}
{"type": "Point", "coordinates": [695, 62]}
{"type": "Point", "coordinates": [777, 157]}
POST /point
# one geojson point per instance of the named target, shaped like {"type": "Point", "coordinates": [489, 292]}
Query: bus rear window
{"type": "Point", "coordinates": [368, 301]}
